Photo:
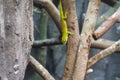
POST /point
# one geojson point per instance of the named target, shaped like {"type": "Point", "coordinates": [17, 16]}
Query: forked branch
{"type": "Point", "coordinates": [104, 53]}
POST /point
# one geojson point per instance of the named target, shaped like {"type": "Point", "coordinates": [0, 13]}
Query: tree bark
{"type": "Point", "coordinates": [107, 14]}
{"type": "Point", "coordinates": [16, 38]}
{"type": "Point", "coordinates": [72, 22]}
{"type": "Point", "coordinates": [85, 40]}
{"type": "Point", "coordinates": [105, 26]}
{"type": "Point", "coordinates": [108, 51]}
{"type": "Point", "coordinates": [40, 69]}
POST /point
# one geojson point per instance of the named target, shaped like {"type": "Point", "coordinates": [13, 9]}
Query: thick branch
{"type": "Point", "coordinates": [107, 24]}
{"type": "Point", "coordinates": [72, 22]}
{"type": "Point", "coordinates": [40, 69]}
{"type": "Point", "coordinates": [85, 40]}
{"type": "Point", "coordinates": [104, 53]}
{"type": "Point", "coordinates": [51, 9]}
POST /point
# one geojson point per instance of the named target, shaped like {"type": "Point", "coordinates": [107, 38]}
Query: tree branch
{"type": "Point", "coordinates": [40, 69]}
{"type": "Point", "coordinates": [51, 9]}
{"type": "Point", "coordinates": [85, 40]}
{"type": "Point", "coordinates": [107, 14]}
{"type": "Point", "coordinates": [104, 53]}
{"type": "Point", "coordinates": [99, 44]}
{"type": "Point", "coordinates": [46, 42]}
{"type": "Point", "coordinates": [107, 25]}
{"type": "Point", "coordinates": [73, 40]}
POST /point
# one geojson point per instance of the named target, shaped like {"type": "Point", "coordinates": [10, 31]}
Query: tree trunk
{"type": "Point", "coordinates": [16, 38]}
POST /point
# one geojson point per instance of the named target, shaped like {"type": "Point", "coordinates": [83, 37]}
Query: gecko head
{"type": "Point", "coordinates": [64, 41]}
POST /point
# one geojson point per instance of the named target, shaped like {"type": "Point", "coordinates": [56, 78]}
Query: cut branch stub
{"type": "Point", "coordinates": [107, 25]}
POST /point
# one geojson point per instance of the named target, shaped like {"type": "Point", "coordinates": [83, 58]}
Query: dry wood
{"type": "Point", "coordinates": [104, 53]}
{"type": "Point", "coordinates": [107, 14]}
{"type": "Point", "coordinates": [72, 22]}
{"type": "Point", "coordinates": [46, 42]}
{"type": "Point", "coordinates": [40, 69]}
{"type": "Point", "coordinates": [98, 44]}
{"type": "Point", "coordinates": [85, 40]}
{"type": "Point", "coordinates": [101, 43]}
{"type": "Point", "coordinates": [107, 24]}
{"type": "Point", "coordinates": [48, 5]}
{"type": "Point", "coordinates": [51, 9]}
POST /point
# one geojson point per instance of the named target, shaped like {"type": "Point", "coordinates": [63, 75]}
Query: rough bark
{"type": "Point", "coordinates": [69, 6]}
{"type": "Point", "coordinates": [107, 14]}
{"type": "Point", "coordinates": [105, 26]}
{"type": "Point", "coordinates": [85, 40]}
{"type": "Point", "coordinates": [16, 37]}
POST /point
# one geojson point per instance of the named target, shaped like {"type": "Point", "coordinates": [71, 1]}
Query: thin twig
{"type": "Point", "coordinates": [46, 42]}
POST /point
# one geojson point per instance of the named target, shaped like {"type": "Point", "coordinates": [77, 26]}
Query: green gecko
{"type": "Point", "coordinates": [64, 30]}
